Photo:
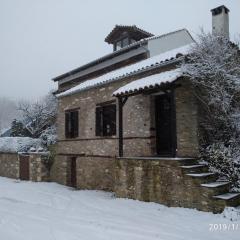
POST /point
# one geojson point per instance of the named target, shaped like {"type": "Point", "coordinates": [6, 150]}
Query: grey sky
{"type": "Point", "coordinates": [41, 39]}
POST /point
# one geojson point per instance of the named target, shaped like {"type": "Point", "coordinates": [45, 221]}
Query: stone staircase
{"type": "Point", "coordinates": [174, 182]}
{"type": "Point", "coordinates": [215, 194]}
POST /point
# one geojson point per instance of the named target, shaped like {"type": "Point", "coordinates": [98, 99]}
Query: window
{"type": "Point", "coordinates": [106, 120]}
{"type": "Point", "coordinates": [125, 42]}
{"type": "Point", "coordinates": [118, 45]}
{"type": "Point", "coordinates": [121, 43]}
{"type": "Point", "coordinates": [133, 41]}
{"type": "Point", "coordinates": [71, 124]}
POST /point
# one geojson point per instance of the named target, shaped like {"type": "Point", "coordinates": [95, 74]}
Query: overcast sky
{"type": "Point", "coordinates": [42, 39]}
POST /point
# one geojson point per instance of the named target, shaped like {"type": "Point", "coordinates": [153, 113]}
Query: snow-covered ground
{"type": "Point", "coordinates": [32, 211]}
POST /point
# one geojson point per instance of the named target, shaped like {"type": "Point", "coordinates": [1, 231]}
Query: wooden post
{"type": "Point", "coordinates": [120, 126]}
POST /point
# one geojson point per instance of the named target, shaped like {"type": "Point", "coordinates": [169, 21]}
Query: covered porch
{"type": "Point", "coordinates": [172, 114]}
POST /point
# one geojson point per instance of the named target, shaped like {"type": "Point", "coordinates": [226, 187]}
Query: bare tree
{"type": "Point", "coordinates": [39, 115]}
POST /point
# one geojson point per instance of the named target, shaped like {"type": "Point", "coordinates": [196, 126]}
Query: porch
{"type": "Point", "coordinates": [170, 112]}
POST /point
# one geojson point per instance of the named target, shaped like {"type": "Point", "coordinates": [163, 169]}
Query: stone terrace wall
{"type": "Point", "coordinates": [95, 173]}
{"type": "Point", "coordinates": [9, 165]}
{"type": "Point", "coordinates": [161, 181]}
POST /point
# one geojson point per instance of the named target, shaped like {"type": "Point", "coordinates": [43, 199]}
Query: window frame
{"type": "Point", "coordinates": [102, 120]}
{"type": "Point", "coordinates": [120, 40]}
{"type": "Point", "coordinates": [72, 123]}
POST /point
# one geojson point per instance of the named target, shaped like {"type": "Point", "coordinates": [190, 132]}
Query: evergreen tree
{"type": "Point", "coordinates": [18, 129]}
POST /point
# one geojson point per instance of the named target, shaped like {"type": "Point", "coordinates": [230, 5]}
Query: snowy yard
{"type": "Point", "coordinates": [50, 211]}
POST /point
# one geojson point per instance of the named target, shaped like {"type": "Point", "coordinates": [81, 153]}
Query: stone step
{"type": "Point", "coordinates": [206, 177]}
{"type": "Point", "coordinates": [216, 188]}
{"type": "Point", "coordinates": [187, 161]}
{"type": "Point", "coordinates": [197, 168]}
{"type": "Point", "coordinates": [230, 199]}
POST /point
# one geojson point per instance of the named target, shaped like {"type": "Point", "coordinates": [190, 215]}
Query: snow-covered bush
{"type": "Point", "coordinates": [223, 160]}
{"type": "Point", "coordinates": [49, 136]}
{"type": "Point", "coordinates": [214, 69]}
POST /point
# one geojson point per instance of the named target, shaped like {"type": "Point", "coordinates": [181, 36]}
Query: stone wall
{"type": "Point", "coordinates": [186, 121]}
{"type": "Point", "coordinates": [92, 172]}
{"type": "Point", "coordinates": [38, 166]}
{"type": "Point", "coordinates": [58, 172]}
{"type": "Point", "coordinates": [9, 165]}
{"type": "Point", "coordinates": [95, 173]}
{"type": "Point", "coordinates": [162, 181]}
{"type": "Point", "coordinates": [138, 129]}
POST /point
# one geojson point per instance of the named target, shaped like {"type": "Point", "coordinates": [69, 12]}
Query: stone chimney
{"type": "Point", "coordinates": [220, 21]}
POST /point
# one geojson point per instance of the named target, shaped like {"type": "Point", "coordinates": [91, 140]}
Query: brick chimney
{"type": "Point", "coordinates": [220, 21]}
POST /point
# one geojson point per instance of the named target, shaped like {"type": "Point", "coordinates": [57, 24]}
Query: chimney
{"type": "Point", "coordinates": [220, 21]}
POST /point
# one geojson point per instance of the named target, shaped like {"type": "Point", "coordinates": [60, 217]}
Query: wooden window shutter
{"type": "Point", "coordinates": [67, 125]}
{"type": "Point", "coordinates": [98, 125]}
{"type": "Point", "coordinates": [75, 124]}
{"type": "Point", "coordinates": [112, 119]}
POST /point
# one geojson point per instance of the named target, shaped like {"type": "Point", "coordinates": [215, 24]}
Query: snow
{"type": "Point", "coordinates": [227, 196]}
{"type": "Point", "coordinates": [232, 213]}
{"type": "Point", "coordinates": [192, 166]}
{"type": "Point", "coordinates": [150, 82]}
{"type": "Point", "coordinates": [128, 70]}
{"type": "Point", "coordinates": [214, 184]}
{"type": "Point", "coordinates": [18, 144]}
{"type": "Point", "coordinates": [199, 174]}
{"type": "Point", "coordinates": [50, 211]}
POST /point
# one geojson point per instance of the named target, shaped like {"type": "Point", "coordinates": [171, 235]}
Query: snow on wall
{"type": "Point", "coordinates": [18, 144]}
{"type": "Point", "coordinates": [119, 73]}
{"type": "Point", "coordinates": [150, 82]}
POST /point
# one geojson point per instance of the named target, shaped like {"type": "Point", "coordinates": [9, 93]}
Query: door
{"type": "Point", "coordinates": [24, 167]}
{"type": "Point", "coordinates": [165, 125]}
{"type": "Point", "coordinates": [73, 180]}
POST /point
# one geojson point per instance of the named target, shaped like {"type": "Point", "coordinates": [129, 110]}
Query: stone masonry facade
{"type": "Point", "coordinates": [96, 156]}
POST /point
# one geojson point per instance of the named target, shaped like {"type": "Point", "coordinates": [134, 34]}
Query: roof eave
{"type": "Point", "coordinates": [165, 63]}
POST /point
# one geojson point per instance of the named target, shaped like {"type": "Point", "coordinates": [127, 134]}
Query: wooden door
{"type": "Point", "coordinates": [73, 180]}
{"type": "Point", "coordinates": [24, 167]}
{"type": "Point", "coordinates": [165, 125]}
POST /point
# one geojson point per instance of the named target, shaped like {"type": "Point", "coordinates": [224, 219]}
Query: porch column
{"type": "Point", "coordinates": [120, 126]}
{"type": "Point", "coordinates": [121, 102]}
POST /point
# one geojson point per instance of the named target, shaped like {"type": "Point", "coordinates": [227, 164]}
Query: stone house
{"type": "Point", "coordinates": [128, 123]}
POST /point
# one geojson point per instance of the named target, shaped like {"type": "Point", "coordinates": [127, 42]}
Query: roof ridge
{"type": "Point", "coordinates": [127, 26]}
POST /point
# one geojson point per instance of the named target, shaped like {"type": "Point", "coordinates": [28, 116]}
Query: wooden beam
{"type": "Point", "coordinates": [124, 100]}
{"type": "Point", "coordinates": [120, 126]}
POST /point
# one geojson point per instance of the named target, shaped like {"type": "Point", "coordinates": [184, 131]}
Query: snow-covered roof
{"type": "Point", "coordinates": [18, 144]}
{"type": "Point", "coordinates": [129, 70]}
{"type": "Point", "coordinates": [149, 82]}
{"type": "Point", "coordinates": [120, 51]}
{"type": "Point", "coordinates": [133, 29]}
